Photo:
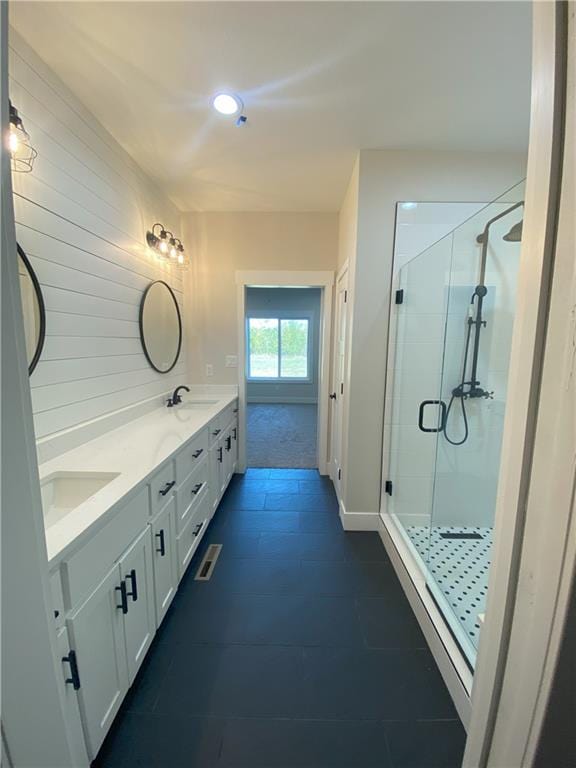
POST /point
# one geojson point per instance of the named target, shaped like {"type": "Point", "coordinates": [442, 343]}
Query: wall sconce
{"type": "Point", "coordinates": [167, 246]}
{"type": "Point", "coordinates": [22, 152]}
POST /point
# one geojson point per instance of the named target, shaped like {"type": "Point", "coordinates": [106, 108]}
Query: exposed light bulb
{"type": "Point", "coordinates": [172, 253]}
{"type": "Point", "coordinates": [163, 247]}
{"type": "Point", "coordinates": [180, 258]}
{"type": "Point", "coordinates": [13, 142]}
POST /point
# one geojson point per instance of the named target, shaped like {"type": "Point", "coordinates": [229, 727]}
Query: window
{"type": "Point", "coordinates": [278, 348]}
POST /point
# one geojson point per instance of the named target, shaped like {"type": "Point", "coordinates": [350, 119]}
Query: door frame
{"type": "Point", "coordinates": [287, 279]}
{"type": "Point", "coordinates": [338, 484]}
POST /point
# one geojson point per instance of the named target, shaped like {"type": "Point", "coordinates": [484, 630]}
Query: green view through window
{"type": "Point", "coordinates": [278, 348]}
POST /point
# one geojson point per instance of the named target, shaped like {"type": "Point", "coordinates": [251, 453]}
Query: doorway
{"type": "Point", "coordinates": [282, 377]}
{"type": "Point", "coordinates": [284, 321]}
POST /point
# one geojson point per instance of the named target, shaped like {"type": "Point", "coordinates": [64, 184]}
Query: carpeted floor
{"type": "Point", "coordinates": [282, 435]}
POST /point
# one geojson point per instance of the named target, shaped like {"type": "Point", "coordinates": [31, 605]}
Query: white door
{"type": "Point", "coordinates": [338, 393]}
{"type": "Point", "coordinates": [139, 619]}
{"type": "Point", "coordinates": [164, 558]}
{"type": "Point", "coordinates": [96, 632]}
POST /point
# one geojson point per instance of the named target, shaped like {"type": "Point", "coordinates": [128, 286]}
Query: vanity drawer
{"type": "Point", "coordinates": [161, 487]}
{"type": "Point", "coordinates": [191, 455]}
{"type": "Point", "coordinates": [228, 415]}
{"type": "Point", "coordinates": [89, 565]}
{"type": "Point", "coordinates": [214, 430]}
{"type": "Point", "coordinates": [189, 539]}
{"type": "Point", "coordinates": [189, 494]}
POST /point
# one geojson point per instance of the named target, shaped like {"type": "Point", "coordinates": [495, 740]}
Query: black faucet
{"type": "Point", "coordinates": [175, 399]}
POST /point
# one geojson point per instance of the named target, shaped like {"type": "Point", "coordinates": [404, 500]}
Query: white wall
{"type": "Point", "coordinates": [288, 302]}
{"type": "Point", "coordinates": [222, 243]}
{"type": "Point", "coordinates": [81, 217]}
{"type": "Point", "coordinates": [386, 177]}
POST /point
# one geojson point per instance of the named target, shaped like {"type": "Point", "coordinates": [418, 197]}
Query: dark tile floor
{"type": "Point", "coordinates": [300, 652]}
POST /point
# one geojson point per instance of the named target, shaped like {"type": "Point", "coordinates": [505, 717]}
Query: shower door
{"type": "Point", "coordinates": [414, 411]}
{"type": "Point", "coordinates": [467, 461]}
{"type": "Point", "coordinates": [443, 449]}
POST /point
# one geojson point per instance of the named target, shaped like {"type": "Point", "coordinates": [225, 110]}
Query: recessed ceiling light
{"type": "Point", "coordinates": [227, 103]}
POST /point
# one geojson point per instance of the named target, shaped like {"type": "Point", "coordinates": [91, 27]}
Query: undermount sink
{"type": "Point", "coordinates": [62, 492]}
{"type": "Point", "coordinates": [197, 404]}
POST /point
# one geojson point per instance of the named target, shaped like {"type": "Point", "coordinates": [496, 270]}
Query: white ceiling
{"type": "Point", "coordinates": [320, 80]}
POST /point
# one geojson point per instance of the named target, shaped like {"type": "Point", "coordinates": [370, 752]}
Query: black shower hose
{"type": "Point", "coordinates": [460, 395]}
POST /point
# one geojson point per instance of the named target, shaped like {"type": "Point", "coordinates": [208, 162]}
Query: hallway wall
{"type": "Point", "coordinates": [220, 244]}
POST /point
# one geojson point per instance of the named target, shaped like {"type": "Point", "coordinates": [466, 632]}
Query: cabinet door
{"type": "Point", "coordinates": [163, 544]}
{"type": "Point", "coordinates": [139, 620]}
{"type": "Point", "coordinates": [234, 446]}
{"type": "Point", "coordinates": [96, 631]}
{"type": "Point", "coordinates": [71, 703]}
{"type": "Point", "coordinates": [228, 456]}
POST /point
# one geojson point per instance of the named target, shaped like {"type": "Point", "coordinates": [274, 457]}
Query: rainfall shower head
{"type": "Point", "coordinates": [515, 233]}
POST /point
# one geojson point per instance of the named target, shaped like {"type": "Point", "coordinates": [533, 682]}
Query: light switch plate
{"type": "Point", "coordinates": [209, 369]}
{"type": "Point", "coordinates": [231, 361]}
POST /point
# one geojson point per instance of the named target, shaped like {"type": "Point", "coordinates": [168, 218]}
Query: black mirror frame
{"type": "Point", "coordinates": [141, 326]}
{"type": "Point", "coordinates": [41, 309]}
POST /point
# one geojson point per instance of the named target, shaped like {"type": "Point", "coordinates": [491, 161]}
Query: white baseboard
{"type": "Point", "coordinates": [281, 400]}
{"type": "Point", "coordinates": [358, 521]}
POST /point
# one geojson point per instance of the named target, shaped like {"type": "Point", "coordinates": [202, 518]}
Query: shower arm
{"type": "Point", "coordinates": [484, 237]}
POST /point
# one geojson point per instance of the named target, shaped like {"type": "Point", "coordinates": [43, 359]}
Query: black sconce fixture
{"type": "Point", "coordinates": [22, 153]}
{"type": "Point", "coordinates": [166, 245]}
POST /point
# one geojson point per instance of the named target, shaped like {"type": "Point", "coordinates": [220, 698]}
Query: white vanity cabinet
{"type": "Point", "coordinates": [96, 634]}
{"type": "Point", "coordinates": [164, 558]}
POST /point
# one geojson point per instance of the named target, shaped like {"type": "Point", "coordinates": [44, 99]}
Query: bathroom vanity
{"type": "Point", "coordinates": [124, 515]}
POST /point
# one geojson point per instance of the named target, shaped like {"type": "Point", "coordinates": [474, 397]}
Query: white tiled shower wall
{"type": "Point", "coordinates": [452, 485]}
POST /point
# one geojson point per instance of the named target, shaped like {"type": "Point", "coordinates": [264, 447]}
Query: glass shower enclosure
{"type": "Point", "coordinates": [450, 338]}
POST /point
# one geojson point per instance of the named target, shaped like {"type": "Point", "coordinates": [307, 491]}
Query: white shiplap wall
{"type": "Point", "coordinates": [81, 217]}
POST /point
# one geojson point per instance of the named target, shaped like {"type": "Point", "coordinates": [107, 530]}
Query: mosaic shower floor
{"type": "Point", "coordinates": [460, 567]}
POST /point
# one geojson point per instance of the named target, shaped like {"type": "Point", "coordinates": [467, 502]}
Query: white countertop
{"type": "Point", "coordinates": [134, 450]}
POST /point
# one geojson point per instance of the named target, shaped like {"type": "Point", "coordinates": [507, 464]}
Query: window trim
{"type": "Point", "coordinates": [279, 316]}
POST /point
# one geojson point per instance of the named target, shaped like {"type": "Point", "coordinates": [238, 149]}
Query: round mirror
{"type": "Point", "coordinates": [160, 326]}
{"type": "Point", "coordinates": [32, 310]}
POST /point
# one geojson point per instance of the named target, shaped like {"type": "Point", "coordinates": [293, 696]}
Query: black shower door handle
{"type": "Point", "coordinates": [423, 405]}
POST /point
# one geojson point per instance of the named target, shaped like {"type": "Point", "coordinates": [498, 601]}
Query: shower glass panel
{"type": "Point", "coordinates": [473, 386]}
{"type": "Point", "coordinates": [450, 344]}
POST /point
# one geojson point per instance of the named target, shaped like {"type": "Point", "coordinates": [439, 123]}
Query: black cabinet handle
{"type": "Point", "coordinates": [132, 576]}
{"type": "Point", "coordinates": [74, 679]}
{"type": "Point", "coordinates": [162, 549]}
{"type": "Point", "coordinates": [167, 487]}
{"type": "Point", "coordinates": [216, 432]}
{"type": "Point", "coordinates": [196, 488]}
{"type": "Point", "coordinates": [197, 453]}
{"type": "Point", "coordinates": [197, 530]}
{"type": "Point", "coordinates": [228, 443]}
{"type": "Point", "coordinates": [123, 597]}
{"type": "Point", "coordinates": [333, 396]}
{"type": "Point", "coordinates": [220, 455]}
{"type": "Point", "coordinates": [235, 410]}
{"type": "Point", "coordinates": [235, 433]}
{"type": "Point", "coordinates": [423, 405]}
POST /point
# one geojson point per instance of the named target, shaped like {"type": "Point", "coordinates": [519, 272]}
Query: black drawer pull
{"type": "Point", "coordinates": [196, 488]}
{"type": "Point", "coordinates": [123, 597]}
{"type": "Point", "coordinates": [197, 530]}
{"type": "Point", "coordinates": [134, 592]}
{"type": "Point", "coordinates": [442, 423]}
{"type": "Point", "coordinates": [216, 432]}
{"type": "Point", "coordinates": [235, 431]}
{"type": "Point", "coordinates": [197, 453]}
{"type": "Point", "coordinates": [74, 679]}
{"type": "Point", "coordinates": [162, 549]}
{"type": "Point", "coordinates": [167, 487]}
{"type": "Point", "coordinates": [220, 455]}
{"type": "Point", "coordinates": [235, 410]}
{"type": "Point", "coordinates": [228, 443]}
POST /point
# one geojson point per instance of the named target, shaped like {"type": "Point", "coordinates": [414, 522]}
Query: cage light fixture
{"type": "Point", "coordinates": [22, 153]}
{"type": "Point", "coordinates": [166, 245]}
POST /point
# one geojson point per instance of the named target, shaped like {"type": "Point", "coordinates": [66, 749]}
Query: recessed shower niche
{"type": "Point", "coordinates": [450, 340]}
